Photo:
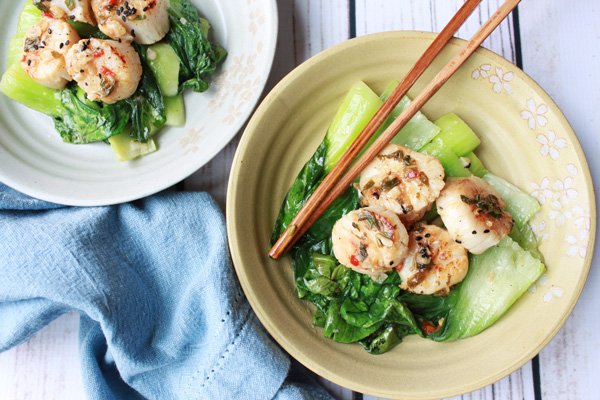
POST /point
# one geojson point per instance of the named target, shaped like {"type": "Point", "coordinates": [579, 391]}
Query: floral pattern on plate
{"type": "Point", "coordinates": [563, 211]}
{"type": "Point", "coordinates": [500, 79]}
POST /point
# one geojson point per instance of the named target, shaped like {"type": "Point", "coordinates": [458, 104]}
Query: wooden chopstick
{"type": "Point", "coordinates": [334, 183]}
{"type": "Point", "coordinates": [374, 124]}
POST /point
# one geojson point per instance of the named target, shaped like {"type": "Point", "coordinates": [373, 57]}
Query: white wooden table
{"type": "Point", "coordinates": [557, 42]}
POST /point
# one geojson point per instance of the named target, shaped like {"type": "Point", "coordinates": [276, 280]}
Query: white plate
{"type": "Point", "coordinates": [35, 161]}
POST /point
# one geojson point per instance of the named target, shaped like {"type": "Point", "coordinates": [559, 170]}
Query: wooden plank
{"type": "Point", "coordinates": [561, 51]}
{"type": "Point", "coordinates": [383, 15]}
{"type": "Point", "coordinates": [338, 392]}
{"type": "Point", "coordinates": [305, 29]}
{"type": "Point", "coordinates": [47, 366]}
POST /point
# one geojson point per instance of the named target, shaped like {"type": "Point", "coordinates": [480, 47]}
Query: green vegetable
{"type": "Point", "coordinates": [84, 30]}
{"type": "Point", "coordinates": [79, 120]}
{"type": "Point", "coordinates": [432, 214]}
{"type": "Point", "coordinates": [17, 85]}
{"type": "Point", "coordinates": [455, 139]}
{"type": "Point", "coordinates": [147, 105]}
{"type": "Point", "coordinates": [126, 148]}
{"type": "Point", "coordinates": [496, 279]}
{"type": "Point", "coordinates": [189, 39]}
{"type": "Point", "coordinates": [526, 238]}
{"type": "Point", "coordinates": [453, 165]}
{"type": "Point", "coordinates": [175, 110]}
{"type": "Point", "coordinates": [164, 63]}
{"type": "Point", "coordinates": [455, 135]}
{"type": "Point", "coordinates": [518, 203]}
{"type": "Point", "coordinates": [338, 329]}
{"type": "Point", "coordinates": [357, 108]}
{"type": "Point", "coordinates": [83, 121]}
{"type": "Point", "coordinates": [352, 307]}
{"type": "Point", "coordinates": [417, 132]}
{"type": "Point", "coordinates": [476, 166]}
{"type": "Point", "coordinates": [303, 186]}
{"type": "Point", "coordinates": [30, 15]}
{"type": "Point", "coordinates": [355, 112]}
{"type": "Point", "coordinates": [386, 338]}
{"type": "Point", "coordinates": [430, 308]}
{"type": "Point", "coordinates": [321, 229]}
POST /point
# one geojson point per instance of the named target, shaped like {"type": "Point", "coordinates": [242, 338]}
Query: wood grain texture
{"type": "Point", "coordinates": [383, 15]}
{"type": "Point", "coordinates": [561, 51]}
{"type": "Point", "coordinates": [432, 15]}
{"type": "Point", "coordinates": [306, 27]}
{"type": "Point", "coordinates": [514, 387]}
{"type": "Point", "coordinates": [46, 367]}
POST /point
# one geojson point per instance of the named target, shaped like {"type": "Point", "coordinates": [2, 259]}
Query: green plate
{"type": "Point", "coordinates": [525, 139]}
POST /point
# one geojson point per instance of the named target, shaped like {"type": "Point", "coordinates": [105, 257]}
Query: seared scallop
{"type": "Point", "coordinates": [473, 213]}
{"type": "Point", "coordinates": [145, 21]}
{"type": "Point", "coordinates": [402, 180]}
{"type": "Point", "coordinates": [370, 240]}
{"type": "Point", "coordinates": [106, 70]}
{"type": "Point", "coordinates": [44, 49]}
{"type": "Point", "coordinates": [76, 10]}
{"type": "Point", "coordinates": [434, 263]}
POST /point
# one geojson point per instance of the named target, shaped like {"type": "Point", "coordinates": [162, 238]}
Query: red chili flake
{"type": "Point", "coordinates": [354, 260]}
{"type": "Point", "coordinates": [113, 3]}
{"type": "Point", "coordinates": [106, 71]}
{"type": "Point", "coordinates": [121, 56]}
{"type": "Point", "coordinates": [428, 328]}
{"type": "Point", "coordinates": [23, 58]}
{"type": "Point", "coordinates": [150, 6]}
{"type": "Point", "coordinates": [412, 174]}
{"type": "Point", "coordinates": [389, 229]}
{"type": "Point", "coordinates": [48, 14]}
{"type": "Point", "coordinates": [98, 54]}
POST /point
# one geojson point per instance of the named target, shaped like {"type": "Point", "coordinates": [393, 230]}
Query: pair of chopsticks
{"type": "Point", "coordinates": [336, 182]}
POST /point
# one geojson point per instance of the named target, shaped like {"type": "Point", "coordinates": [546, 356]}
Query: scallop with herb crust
{"type": "Point", "coordinates": [44, 49]}
{"type": "Point", "coordinates": [402, 180]}
{"type": "Point", "coordinates": [370, 240]}
{"type": "Point", "coordinates": [145, 21]}
{"type": "Point", "coordinates": [76, 10]}
{"type": "Point", "coordinates": [473, 213]}
{"type": "Point", "coordinates": [434, 263]}
{"type": "Point", "coordinates": [106, 70]}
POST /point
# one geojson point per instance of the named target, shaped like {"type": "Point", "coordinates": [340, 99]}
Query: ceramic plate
{"type": "Point", "coordinates": [35, 160]}
{"type": "Point", "coordinates": [525, 139]}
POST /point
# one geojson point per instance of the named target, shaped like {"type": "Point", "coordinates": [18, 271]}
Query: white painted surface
{"type": "Point", "coordinates": [46, 367]}
{"type": "Point", "coordinates": [561, 50]}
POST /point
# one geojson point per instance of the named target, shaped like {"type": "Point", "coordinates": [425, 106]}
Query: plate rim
{"type": "Point", "coordinates": [234, 238]}
{"type": "Point", "coordinates": [31, 190]}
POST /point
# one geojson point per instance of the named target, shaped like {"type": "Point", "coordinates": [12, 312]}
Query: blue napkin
{"type": "Point", "coordinates": [162, 315]}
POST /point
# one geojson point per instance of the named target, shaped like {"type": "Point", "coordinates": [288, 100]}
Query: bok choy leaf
{"type": "Point", "coordinates": [189, 38]}
{"type": "Point", "coordinates": [496, 279]}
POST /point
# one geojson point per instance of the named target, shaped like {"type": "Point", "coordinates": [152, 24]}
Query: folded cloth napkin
{"type": "Point", "coordinates": [162, 315]}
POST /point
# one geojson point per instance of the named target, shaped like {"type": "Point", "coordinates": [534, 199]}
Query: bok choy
{"type": "Point", "coordinates": [351, 307]}
{"type": "Point", "coordinates": [188, 52]}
